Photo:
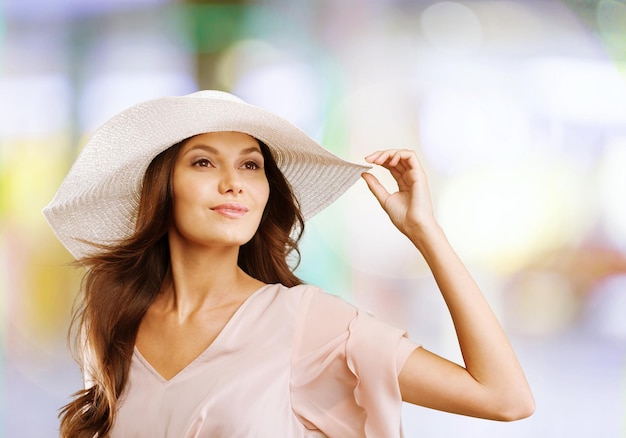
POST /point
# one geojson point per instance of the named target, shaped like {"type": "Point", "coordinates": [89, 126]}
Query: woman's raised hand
{"type": "Point", "coordinates": [410, 208]}
{"type": "Point", "coordinates": [491, 382]}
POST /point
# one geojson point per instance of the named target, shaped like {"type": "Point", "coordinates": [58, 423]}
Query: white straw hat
{"type": "Point", "coordinates": [98, 199]}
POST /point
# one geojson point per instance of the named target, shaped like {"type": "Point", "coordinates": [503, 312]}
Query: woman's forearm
{"type": "Point", "coordinates": [487, 352]}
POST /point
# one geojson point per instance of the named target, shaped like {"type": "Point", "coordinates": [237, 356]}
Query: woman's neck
{"type": "Point", "coordinates": [204, 278]}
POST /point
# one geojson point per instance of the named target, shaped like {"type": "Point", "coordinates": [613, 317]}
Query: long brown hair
{"type": "Point", "coordinates": [122, 281]}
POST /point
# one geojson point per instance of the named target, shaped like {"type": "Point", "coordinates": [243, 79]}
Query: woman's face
{"type": "Point", "coordinates": [219, 190]}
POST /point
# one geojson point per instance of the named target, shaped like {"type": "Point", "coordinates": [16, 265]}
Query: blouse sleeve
{"type": "Point", "coordinates": [345, 369]}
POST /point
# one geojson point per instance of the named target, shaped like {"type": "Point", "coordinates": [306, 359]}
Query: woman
{"type": "Point", "coordinates": [184, 211]}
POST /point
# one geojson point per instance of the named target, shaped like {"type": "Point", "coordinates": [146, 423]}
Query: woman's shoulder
{"type": "Point", "coordinates": [274, 293]}
{"type": "Point", "coordinates": [297, 291]}
{"type": "Point", "coordinates": [306, 302]}
{"type": "Point", "coordinates": [308, 295]}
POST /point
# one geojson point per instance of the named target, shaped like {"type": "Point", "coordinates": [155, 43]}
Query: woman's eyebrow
{"type": "Point", "coordinates": [203, 147]}
{"type": "Point", "coordinates": [250, 150]}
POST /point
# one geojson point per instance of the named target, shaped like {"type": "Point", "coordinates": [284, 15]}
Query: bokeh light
{"type": "Point", "coordinates": [612, 189]}
{"type": "Point", "coordinates": [21, 111]}
{"type": "Point", "coordinates": [451, 25]}
{"type": "Point", "coordinates": [102, 99]}
{"type": "Point", "coordinates": [600, 97]}
{"type": "Point", "coordinates": [504, 216]}
{"type": "Point", "coordinates": [463, 129]}
{"type": "Point", "coordinates": [257, 82]}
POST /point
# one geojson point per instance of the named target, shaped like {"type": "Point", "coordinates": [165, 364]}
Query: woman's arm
{"type": "Point", "coordinates": [492, 385]}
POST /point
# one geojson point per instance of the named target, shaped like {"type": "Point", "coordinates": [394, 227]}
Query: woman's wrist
{"type": "Point", "coordinates": [426, 236]}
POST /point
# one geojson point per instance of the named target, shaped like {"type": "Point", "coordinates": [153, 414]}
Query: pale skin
{"type": "Point", "coordinates": [206, 286]}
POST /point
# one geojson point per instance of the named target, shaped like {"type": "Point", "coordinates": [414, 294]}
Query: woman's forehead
{"type": "Point", "coordinates": [217, 142]}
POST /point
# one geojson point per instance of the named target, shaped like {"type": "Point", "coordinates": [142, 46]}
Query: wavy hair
{"type": "Point", "coordinates": [122, 281]}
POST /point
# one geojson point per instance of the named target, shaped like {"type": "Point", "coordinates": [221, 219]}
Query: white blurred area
{"type": "Point", "coordinates": [516, 108]}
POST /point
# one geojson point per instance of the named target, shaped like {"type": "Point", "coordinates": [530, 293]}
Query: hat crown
{"type": "Point", "coordinates": [215, 94]}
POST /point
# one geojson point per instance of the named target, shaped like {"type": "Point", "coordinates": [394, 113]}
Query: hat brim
{"type": "Point", "coordinates": [98, 199]}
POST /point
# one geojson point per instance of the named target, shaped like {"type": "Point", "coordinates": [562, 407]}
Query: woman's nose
{"type": "Point", "coordinates": [230, 181]}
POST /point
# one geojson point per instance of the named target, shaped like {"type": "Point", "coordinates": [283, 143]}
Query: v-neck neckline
{"type": "Point", "coordinates": [207, 350]}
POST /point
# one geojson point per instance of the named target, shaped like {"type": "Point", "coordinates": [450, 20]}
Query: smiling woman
{"type": "Point", "coordinates": [219, 190]}
{"type": "Point", "coordinates": [193, 320]}
{"type": "Point", "coordinates": [219, 194]}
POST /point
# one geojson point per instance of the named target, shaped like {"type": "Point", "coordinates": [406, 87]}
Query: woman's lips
{"type": "Point", "coordinates": [231, 210]}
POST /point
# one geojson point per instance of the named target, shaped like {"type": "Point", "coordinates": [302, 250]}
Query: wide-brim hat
{"type": "Point", "coordinates": [98, 199]}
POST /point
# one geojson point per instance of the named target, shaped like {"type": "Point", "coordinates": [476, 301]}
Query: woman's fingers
{"type": "Point", "coordinates": [399, 159]}
{"type": "Point", "coordinates": [402, 163]}
{"type": "Point", "coordinates": [410, 206]}
{"type": "Point", "coordinates": [379, 191]}
{"type": "Point", "coordinates": [379, 157]}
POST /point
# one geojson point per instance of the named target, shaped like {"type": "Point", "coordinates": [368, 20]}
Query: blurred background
{"type": "Point", "coordinates": [516, 108]}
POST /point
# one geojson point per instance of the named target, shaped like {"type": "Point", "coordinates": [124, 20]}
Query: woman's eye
{"type": "Point", "coordinates": [251, 165]}
{"type": "Point", "coordinates": [202, 162]}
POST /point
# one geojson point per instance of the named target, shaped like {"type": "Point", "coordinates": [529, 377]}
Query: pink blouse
{"type": "Point", "coordinates": [291, 362]}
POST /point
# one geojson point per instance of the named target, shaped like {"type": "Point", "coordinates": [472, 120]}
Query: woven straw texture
{"type": "Point", "coordinates": [97, 201]}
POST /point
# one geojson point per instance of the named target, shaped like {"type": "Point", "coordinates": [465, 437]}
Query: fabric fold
{"type": "Point", "coordinates": [375, 354]}
{"type": "Point", "coordinates": [344, 379]}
